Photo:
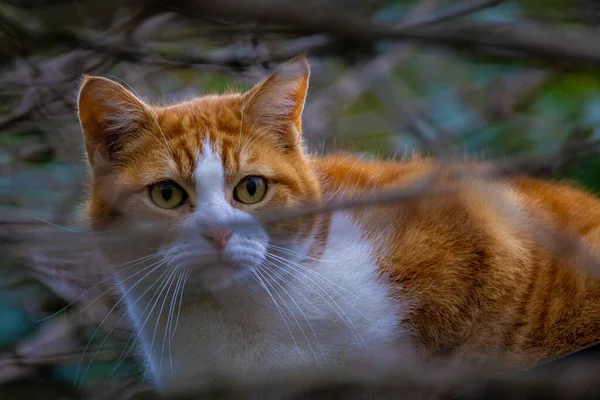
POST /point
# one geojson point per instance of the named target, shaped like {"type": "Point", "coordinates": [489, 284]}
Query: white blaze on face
{"type": "Point", "coordinates": [212, 204]}
{"type": "Point", "coordinates": [247, 245]}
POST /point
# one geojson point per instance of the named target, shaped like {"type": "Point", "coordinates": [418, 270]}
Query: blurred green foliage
{"type": "Point", "coordinates": [14, 323]}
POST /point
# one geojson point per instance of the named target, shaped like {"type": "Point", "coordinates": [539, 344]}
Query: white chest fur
{"type": "Point", "coordinates": [325, 319]}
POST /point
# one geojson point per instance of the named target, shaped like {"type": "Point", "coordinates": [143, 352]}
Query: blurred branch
{"type": "Point", "coordinates": [326, 29]}
{"type": "Point", "coordinates": [409, 114]}
{"type": "Point", "coordinates": [506, 97]}
{"type": "Point", "coordinates": [352, 84]}
{"type": "Point", "coordinates": [453, 12]}
{"type": "Point", "coordinates": [529, 41]}
{"type": "Point", "coordinates": [549, 165]}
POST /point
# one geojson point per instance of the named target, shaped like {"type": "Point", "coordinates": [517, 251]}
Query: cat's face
{"type": "Point", "coordinates": [197, 177]}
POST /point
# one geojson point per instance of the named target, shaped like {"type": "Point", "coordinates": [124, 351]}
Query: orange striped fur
{"type": "Point", "coordinates": [463, 265]}
{"type": "Point", "coordinates": [482, 285]}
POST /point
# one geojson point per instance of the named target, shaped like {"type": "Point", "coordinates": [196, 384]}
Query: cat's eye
{"type": "Point", "coordinates": [250, 190]}
{"type": "Point", "coordinates": [167, 194]}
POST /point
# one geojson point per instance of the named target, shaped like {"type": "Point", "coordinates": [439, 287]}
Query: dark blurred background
{"type": "Point", "coordinates": [516, 81]}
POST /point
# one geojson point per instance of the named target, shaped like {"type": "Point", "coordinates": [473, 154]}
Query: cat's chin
{"type": "Point", "coordinates": [216, 277]}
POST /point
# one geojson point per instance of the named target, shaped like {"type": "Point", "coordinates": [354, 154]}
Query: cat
{"type": "Point", "coordinates": [218, 296]}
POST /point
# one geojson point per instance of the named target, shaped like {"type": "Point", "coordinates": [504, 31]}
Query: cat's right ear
{"type": "Point", "coordinates": [109, 115]}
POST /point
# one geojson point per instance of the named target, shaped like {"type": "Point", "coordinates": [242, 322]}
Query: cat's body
{"type": "Point", "coordinates": [471, 260]}
{"type": "Point", "coordinates": [337, 296]}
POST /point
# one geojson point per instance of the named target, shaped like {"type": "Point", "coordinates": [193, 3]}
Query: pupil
{"type": "Point", "coordinates": [166, 192]}
{"type": "Point", "coordinates": [251, 187]}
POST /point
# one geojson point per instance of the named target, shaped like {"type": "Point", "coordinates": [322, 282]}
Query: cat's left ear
{"type": "Point", "coordinates": [275, 105]}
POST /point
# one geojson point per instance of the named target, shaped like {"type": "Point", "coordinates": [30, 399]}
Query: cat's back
{"type": "Point", "coordinates": [462, 187]}
{"type": "Point", "coordinates": [470, 256]}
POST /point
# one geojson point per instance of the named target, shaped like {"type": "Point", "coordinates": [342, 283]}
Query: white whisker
{"type": "Point", "coordinates": [180, 303]}
{"type": "Point", "coordinates": [264, 286]}
{"type": "Point", "coordinates": [296, 253]}
{"type": "Point", "coordinates": [317, 275]}
{"type": "Point", "coordinates": [137, 262]}
{"type": "Point", "coordinates": [261, 270]}
{"type": "Point", "coordinates": [154, 268]}
{"type": "Point", "coordinates": [242, 114]}
{"type": "Point", "coordinates": [171, 316]}
{"type": "Point", "coordinates": [138, 334]}
{"type": "Point", "coordinates": [172, 280]}
{"type": "Point", "coordinates": [167, 280]}
{"type": "Point", "coordinates": [337, 308]}
{"type": "Point", "coordinates": [300, 309]}
{"type": "Point", "coordinates": [58, 226]}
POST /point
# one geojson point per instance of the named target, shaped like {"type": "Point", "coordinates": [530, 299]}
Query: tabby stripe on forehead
{"type": "Point", "coordinates": [190, 162]}
{"type": "Point", "coordinates": [189, 153]}
{"type": "Point", "coordinates": [230, 158]}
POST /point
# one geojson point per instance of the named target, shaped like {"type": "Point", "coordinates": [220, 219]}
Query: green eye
{"type": "Point", "coordinates": [250, 190]}
{"type": "Point", "coordinates": [167, 194]}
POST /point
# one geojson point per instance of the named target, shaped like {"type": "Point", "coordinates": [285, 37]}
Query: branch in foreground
{"type": "Point", "coordinates": [518, 40]}
{"type": "Point", "coordinates": [526, 41]}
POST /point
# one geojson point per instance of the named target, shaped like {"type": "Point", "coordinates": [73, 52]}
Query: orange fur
{"type": "Point", "coordinates": [483, 289]}
{"type": "Point", "coordinates": [480, 286]}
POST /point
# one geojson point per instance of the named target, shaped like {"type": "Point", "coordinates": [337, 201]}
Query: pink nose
{"type": "Point", "coordinates": [218, 238]}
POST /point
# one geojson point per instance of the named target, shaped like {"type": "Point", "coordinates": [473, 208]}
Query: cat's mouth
{"type": "Point", "coordinates": [213, 270]}
{"type": "Point", "coordinates": [209, 261]}
{"type": "Point", "coordinates": [191, 259]}
{"type": "Point", "coordinates": [216, 275]}
{"type": "Point", "coordinates": [218, 262]}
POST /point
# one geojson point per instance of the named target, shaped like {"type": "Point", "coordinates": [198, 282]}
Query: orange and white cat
{"type": "Point", "coordinates": [218, 296]}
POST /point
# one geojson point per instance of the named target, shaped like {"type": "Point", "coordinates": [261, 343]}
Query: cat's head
{"type": "Point", "coordinates": [183, 169]}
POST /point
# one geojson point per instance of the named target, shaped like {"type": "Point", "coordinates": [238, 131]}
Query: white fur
{"type": "Point", "coordinates": [321, 320]}
{"type": "Point", "coordinates": [240, 337]}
